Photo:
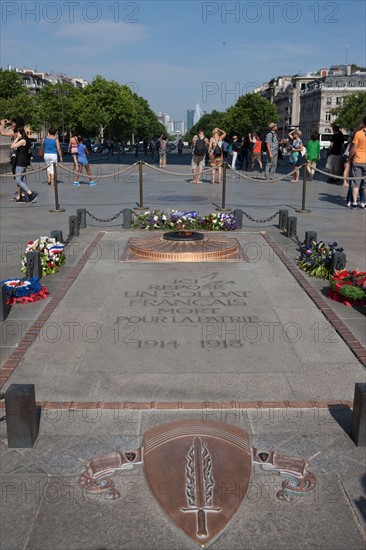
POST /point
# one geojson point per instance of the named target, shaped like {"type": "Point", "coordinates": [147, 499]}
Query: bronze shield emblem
{"type": "Point", "coordinates": [199, 472]}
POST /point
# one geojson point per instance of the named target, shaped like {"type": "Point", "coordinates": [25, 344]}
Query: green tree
{"type": "Point", "coordinates": [147, 125]}
{"type": "Point", "coordinates": [15, 99]}
{"type": "Point", "coordinates": [110, 106]}
{"type": "Point", "coordinates": [351, 112]}
{"type": "Point", "coordinates": [251, 112]}
{"type": "Point", "coordinates": [57, 105]}
{"type": "Point", "coordinates": [11, 84]}
{"type": "Point", "coordinates": [209, 121]}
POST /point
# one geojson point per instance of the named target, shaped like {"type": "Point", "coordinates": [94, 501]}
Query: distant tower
{"type": "Point", "coordinates": [198, 114]}
{"type": "Point", "coordinates": [190, 115]}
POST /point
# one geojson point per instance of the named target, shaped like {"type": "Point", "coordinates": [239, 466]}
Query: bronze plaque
{"type": "Point", "coordinates": [199, 472]}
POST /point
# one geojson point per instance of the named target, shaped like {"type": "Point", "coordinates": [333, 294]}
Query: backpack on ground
{"type": "Point", "coordinates": [200, 147]}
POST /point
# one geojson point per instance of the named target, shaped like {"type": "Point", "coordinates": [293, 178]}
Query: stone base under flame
{"type": "Point", "coordinates": [158, 249]}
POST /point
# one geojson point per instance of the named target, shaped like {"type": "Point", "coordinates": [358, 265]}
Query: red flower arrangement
{"type": "Point", "coordinates": [348, 287]}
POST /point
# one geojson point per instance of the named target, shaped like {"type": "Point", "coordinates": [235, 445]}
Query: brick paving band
{"type": "Point", "coordinates": [354, 345]}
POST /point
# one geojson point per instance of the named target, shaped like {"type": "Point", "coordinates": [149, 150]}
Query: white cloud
{"type": "Point", "coordinates": [101, 36]}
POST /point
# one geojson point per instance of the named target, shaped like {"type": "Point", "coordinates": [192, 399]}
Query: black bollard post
{"type": "Point", "coordinates": [34, 265]}
{"type": "Point", "coordinates": [359, 415]}
{"type": "Point", "coordinates": [310, 236]}
{"type": "Point", "coordinates": [291, 227]}
{"type": "Point", "coordinates": [141, 189]}
{"type": "Point", "coordinates": [73, 226]}
{"type": "Point", "coordinates": [21, 415]}
{"type": "Point", "coordinates": [338, 261]}
{"type": "Point", "coordinates": [239, 218]}
{"type": "Point", "coordinates": [57, 234]}
{"type": "Point", "coordinates": [4, 306]}
{"type": "Point", "coordinates": [223, 196]}
{"type": "Point", "coordinates": [81, 214]}
{"type": "Point", "coordinates": [303, 209]}
{"type": "Point", "coordinates": [57, 204]}
{"type": "Point", "coordinates": [127, 218]}
{"type": "Point", "coordinates": [283, 217]}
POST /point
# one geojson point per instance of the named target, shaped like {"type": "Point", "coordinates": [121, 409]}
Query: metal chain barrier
{"type": "Point", "coordinates": [206, 169]}
{"type": "Point", "coordinates": [339, 177]}
{"type": "Point", "coordinates": [113, 174]}
{"type": "Point", "coordinates": [10, 174]}
{"type": "Point", "coordinates": [264, 179]}
{"type": "Point", "coordinates": [104, 220]}
{"type": "Point", "coordinates": [261, 221]}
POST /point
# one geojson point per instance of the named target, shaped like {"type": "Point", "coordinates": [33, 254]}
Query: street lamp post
{"type": "Point", "coordinates": [62, 93]}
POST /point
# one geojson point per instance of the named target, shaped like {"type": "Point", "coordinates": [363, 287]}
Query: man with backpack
{"type": "Point", "coordinates": [200, 148]}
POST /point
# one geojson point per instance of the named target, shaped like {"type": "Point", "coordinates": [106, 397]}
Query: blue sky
{"type": "Point", "coordinates": [177, 53]}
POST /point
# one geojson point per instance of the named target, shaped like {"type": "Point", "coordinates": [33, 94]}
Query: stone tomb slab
{"type": "Point", "coordinates": [180, 329]}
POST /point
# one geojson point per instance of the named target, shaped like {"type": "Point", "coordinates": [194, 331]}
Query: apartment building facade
{"type": "Point", "coordinates": [306, 101]}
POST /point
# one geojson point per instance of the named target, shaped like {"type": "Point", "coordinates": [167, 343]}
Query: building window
{"type": "Point", "coordinates": [26, 81]}
{"type": "Point", "coordinates": [329, 100]}
{"type": "Point", "coordinates": [327, 116]}
{"type": "Point", "coordinates": [350, 84]}
{"type": "Point", "coordinates": [338, 101]}
{"type": "Point", "coordinates": [329, 84]}
{"type": "Point", "coordinates": [327, 131]}
{"type": "Point", "coordinates": [362, 84]}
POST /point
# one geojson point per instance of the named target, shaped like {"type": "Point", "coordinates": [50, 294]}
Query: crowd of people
{"type": "Point", "coordinates": [343, 159]}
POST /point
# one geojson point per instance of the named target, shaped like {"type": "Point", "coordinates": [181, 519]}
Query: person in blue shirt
{"type": "Point", "coordinates": [83, 161]}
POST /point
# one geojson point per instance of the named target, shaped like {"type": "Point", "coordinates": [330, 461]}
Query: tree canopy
{"type": "Point", "coordinates": [250, 113]}
{"type": "Point", "coordinates": [351, 112]}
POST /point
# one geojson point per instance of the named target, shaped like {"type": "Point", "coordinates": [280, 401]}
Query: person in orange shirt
{"type": "Point", "coordinates": [357, 155]}
{"type": "Point", "coordinates": [255, 140]}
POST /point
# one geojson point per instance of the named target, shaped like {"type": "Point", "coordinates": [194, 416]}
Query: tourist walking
{"type": "Point", "coordinates": [334, 154]}
{"type": "Point", "coordinates": [272, 147]}
{"type": "Point", "coordinates": [73, 148]}
{"type": "Point", "coordinates": [50, 151]}
{"type": "Point", "coordinates": [297, 148]}
{"type": "Point", "coordinates": [235, 148]}
{"type": "Point", "coordinates": [313, 153]}
{"type": "Point", "coordinates": [200, 147]}
{"type": "Point", "coordinates": [22, 145]}
{"type": "Point", "coordinates": [163, 149]}
{"type": "Point", "coordinates": [180, 147]}
{"type": "Point", "coordinates": [216, 153]}
{"type": "Point", "coordinates": [83, 154]}
{"type": "Point", "coordinates": [256, 142]}
{"type": "Point", "coordinates": [12, 133]}
{"type": "Point", "coordinates": [244, 153]}
{"type": "Point", "coordinates": [357, 156]}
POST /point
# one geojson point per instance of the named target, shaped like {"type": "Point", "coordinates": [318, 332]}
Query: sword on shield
{"type": "Point", "coordinates": [200, 485]}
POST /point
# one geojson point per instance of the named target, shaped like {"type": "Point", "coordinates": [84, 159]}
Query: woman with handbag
{"type": "Point", "coordinates": [297, 149]}
{"type": "Point", "coordinates": [216, 153]}
{"type": "Point", "coordinates": [22, 146]}
{"type": "Point", "coordinates": [49, 150]}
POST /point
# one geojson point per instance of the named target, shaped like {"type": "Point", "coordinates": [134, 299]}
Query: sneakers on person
{"type": "Point", "coordinates": [362, 205]}
{"type": "Point", "coordinates": [354, 205]}
{"type": "Point", "coordinates": [349, 204]}
{"type": "Point", "coordinates": [76, 183]}
{"type": "Point", "coordinates": [33, 197]}
{"type": "Point", "coordinates": [92, 183]}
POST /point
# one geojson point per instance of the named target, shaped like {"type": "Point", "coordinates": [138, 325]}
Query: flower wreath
{"type": "Point", "coordinates": [316, 258]}
{"type": "Point", "coordinates": [24, 290]}
{"type": "Point", "coordinates": [348, 287]}
{"type": "Point", "coordinates": [51, 253]}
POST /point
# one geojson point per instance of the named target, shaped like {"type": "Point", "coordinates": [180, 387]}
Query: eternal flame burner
{"type": "Point", "coordinates": [183, 236]}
